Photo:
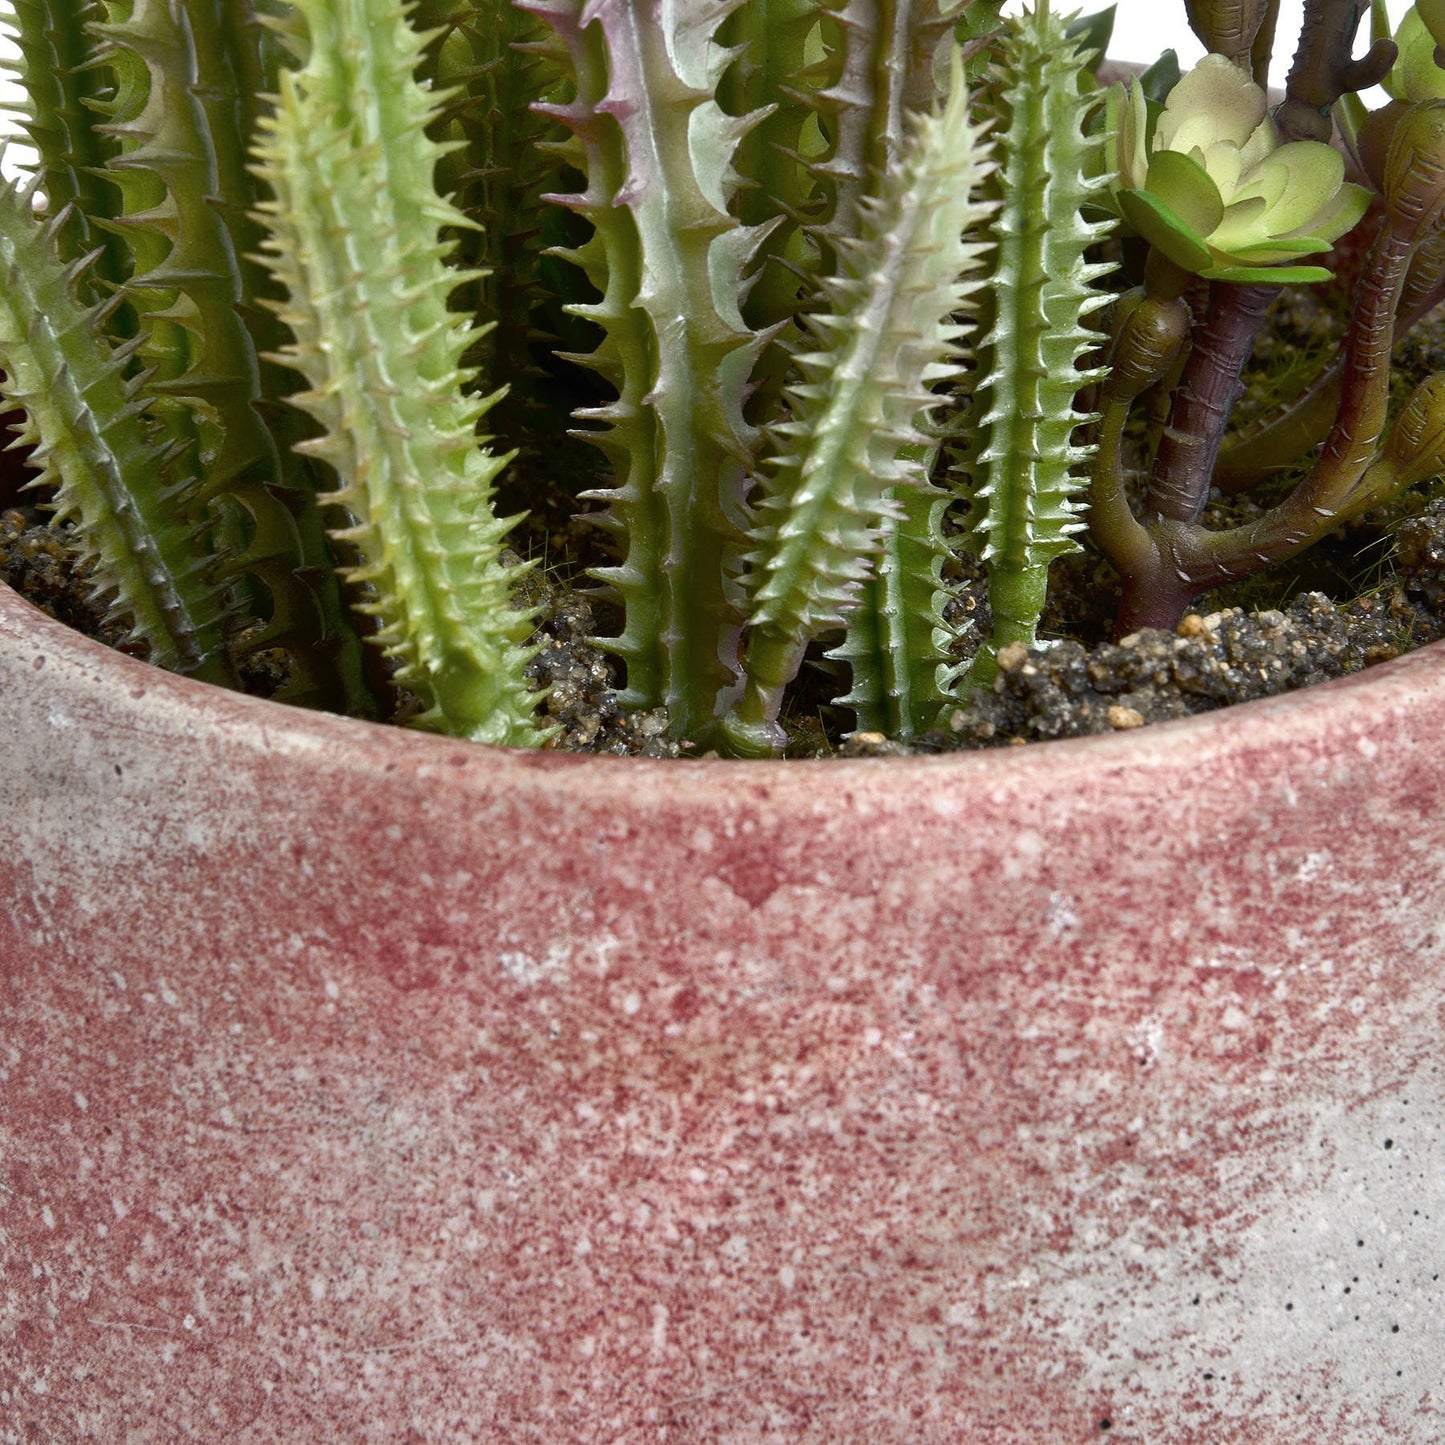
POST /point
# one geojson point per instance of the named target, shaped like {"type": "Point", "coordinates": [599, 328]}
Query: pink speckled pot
{"type": "Point", "coordinates": [361, 1086]}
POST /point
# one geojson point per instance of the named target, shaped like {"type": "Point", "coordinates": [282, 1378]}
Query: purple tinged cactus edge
{"type": "Point", "coordinates": [846, 300]}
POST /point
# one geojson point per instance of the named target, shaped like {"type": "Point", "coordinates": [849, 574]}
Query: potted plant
{"type": "Point", "coordinates": [361, 1080]}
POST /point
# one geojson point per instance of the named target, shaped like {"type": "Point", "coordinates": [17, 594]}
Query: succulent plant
{"type": "Point", "coordinates": [823, 282]}
{"type": "Point", "coordinates": [1215, 191]}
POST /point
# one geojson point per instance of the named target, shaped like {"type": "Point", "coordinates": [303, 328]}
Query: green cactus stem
{"type": "Point", "coordinates": [888, 338]}
{"type": "Point", "coordinates": [90, 435]}
{"type": "Point", "coordinates": [186, 192]}
{"type": "Point", "coordinates": [775, 75]}
{"type": "Point", "coordinates": [880, 68]}
{"type": "Point", "coordinates": [63, 83]}
{"type": "Point", "coordinates": [489, 64]}
{"type": "Point", "coordinates": [897, 639]}
{"type": "Point", "coordinates": [670, 262]}
{"type": "Point", "coordinates": [346, 156]}
{"type": "Point", "coordinates": [1022, 465]}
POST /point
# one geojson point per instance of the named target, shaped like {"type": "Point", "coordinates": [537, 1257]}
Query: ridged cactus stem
{"type": "Point", "coordinates": [184, 174]}
{"type": "Point", "coordinates": [887, 340]}
{"type": "Point", "coordinates": [490, 63]}
{"type": "Point", "coordinates": [662, 131]}
{"type": "Point", "coordinates": [354, 240]}
{"type": "Point", "coordinates": [897, 640]}
{"type": "Point", "coordinates": [1023, 466]}
{"type": "Point", "coordinates": [61, 85]}
{"type": "Point", "coordinates": [883, 68]}
{"type": "Point", "coordinates": [91, 436]}
{"type": "Point", "coordinates": [771, 73]}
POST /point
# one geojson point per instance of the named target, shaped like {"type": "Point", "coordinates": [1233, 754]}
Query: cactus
{"type": "Point", "coordinates": [346, 153]}
{"type": "Point", "coordinates": [1024, 466]}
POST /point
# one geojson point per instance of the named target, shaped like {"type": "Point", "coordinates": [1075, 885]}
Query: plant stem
{"type": "Point", "coordinates": [1189, 443]}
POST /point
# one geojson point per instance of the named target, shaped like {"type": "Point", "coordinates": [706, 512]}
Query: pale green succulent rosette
{"type": "Point", "coordinates": [1414, 75]}
{"type": "Point", "coordinates": [1213, 188]}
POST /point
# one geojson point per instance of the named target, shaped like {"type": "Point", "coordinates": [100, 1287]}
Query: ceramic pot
{"type": "Point", "coordinates": [359, 1085]}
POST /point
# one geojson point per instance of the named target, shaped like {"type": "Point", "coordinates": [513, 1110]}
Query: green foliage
{"type": "Point", "coordinates": [180, 166]}
{"type": "Point", "coordinates": [832, 266]}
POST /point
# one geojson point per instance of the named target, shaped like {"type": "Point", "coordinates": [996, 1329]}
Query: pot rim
{"type": "Point", "coordinates": [156, 701]}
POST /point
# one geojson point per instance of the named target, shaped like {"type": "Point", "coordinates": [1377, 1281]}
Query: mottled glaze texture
{"type": "Point", "coordinates": [361, 1086]}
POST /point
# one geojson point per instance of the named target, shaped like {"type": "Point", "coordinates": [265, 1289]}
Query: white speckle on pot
{"type": "Point", "coordinates": [701, 840]}
{"type": "Point", "coordinates": [659, 1329]}
{"type": "Point", "coordinates": [333, 989]}
{"type": "Point", "coordinates": [60, 717]}
{"type": "Point", "coordinates": [872, 1037]}
{"type": "Point", "coordinates": [1234, 1018]}
{"type": "Point", "coordinates": [47, 1215]}
{"type": "Point", "coordinates": [118, 979]}
{"type": "Point", "coordinates": [1021, 859]}
{"type": "Point", "coordinates": [1313, 865]}
{"type": "Point", "coordinates": [631, 1004]}
{"type": "Point", "coordinates": [1368, 748]}
{"type": "Point", "coordinates": [189, 1323]}
{"type": "Point", "coordinates": [1061, 914]}
{"type": "Point", "coordinates": [602, 948]}
{"type": "Point", "coordinates": [169, 996]}
{"type": "Point", "coordinates": [528, 971]}
{"type": "Point", "coordinates": [587, 1346]}
{"type": "Point", "coordinates": [787, 1276]}
{"type": "Point", "coordinates": [81, 1102]}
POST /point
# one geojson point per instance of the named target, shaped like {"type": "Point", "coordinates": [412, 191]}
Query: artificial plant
{"type": "Point", "coordinates": [306, 277]}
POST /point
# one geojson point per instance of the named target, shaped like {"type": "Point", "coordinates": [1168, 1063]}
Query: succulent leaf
{"type": "Point", "coordinates": [1415, 75]}
{"type": "Point", "coordinates": [346, 155]}
{"type": "Point", "coordinates": [89, 434]}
